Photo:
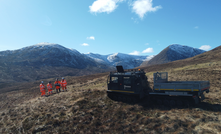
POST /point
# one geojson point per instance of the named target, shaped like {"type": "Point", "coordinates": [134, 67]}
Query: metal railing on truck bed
{"type": "Point", "coordinates": [161, 83]}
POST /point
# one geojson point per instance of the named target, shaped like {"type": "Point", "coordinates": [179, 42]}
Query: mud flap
{"type": "Point", "coordinates": [196, 100]}
{"type": "Point", "coordinates": [202, 97]}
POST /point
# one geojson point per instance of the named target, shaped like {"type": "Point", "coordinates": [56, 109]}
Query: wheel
{"type": "Point", "coordinates": [124, 99]}
{"type": "Point", "coordinates": [135, 100]}
{"type": "Point", "coordinates": [172, 103]}
{"type": "Point", "coordinates": [179, 103]}
{"type": "Point", "coordinates": [196, 100]}
{"type": "Point", "coordinates": [186, 103]}
{"type": "Point", "coordinates": [129, 100]}
{"type": "Point", "coordinates": [166, 102]}
{"type": "Point", "coordinates": [159, 101]}
{"type": "Point", "coordinates": [115, 97]}
{"type": "Point", "coordinates": [120, 98]}
{"type": "Point", "coordinates": [110, 96]}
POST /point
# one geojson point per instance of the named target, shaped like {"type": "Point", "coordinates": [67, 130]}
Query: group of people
{"type": "Point", "coordinates": [58, 84]}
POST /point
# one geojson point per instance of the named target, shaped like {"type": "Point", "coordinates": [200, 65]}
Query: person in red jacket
{"type": "Point", "coordinates": [42, 88]}
{"type": "Point", "coordinates": [57, 84]}
{"type": "Point", "coordinates": [63, 84]}
{"type": "Point", "coordinates": [49, 86]}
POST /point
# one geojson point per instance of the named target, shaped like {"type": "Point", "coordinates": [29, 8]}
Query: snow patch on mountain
{"type": "Point", "coordinates": [126, 60]}
{"type": "Point", "coordinates": [186, 50]}
{"type": "Point", "coordinates": [174, 52]}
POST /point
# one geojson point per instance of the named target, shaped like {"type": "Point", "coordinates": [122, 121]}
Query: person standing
{"type": "Point", "coordinates": [63, 84]}
{"type": "Point", "coordinates": [49, 86]}
{"type": "Point", "coordinates": [42, 88]}
{"type": "Point", "coordinates": [57, 84]}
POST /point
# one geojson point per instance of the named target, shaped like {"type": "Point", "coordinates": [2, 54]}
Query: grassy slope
{"type": "Point", "coordinates": [85, 108]}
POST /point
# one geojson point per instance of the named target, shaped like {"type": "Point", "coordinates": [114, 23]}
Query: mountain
{"type": "Point", "coordinates": [209, 58]}
{"type": "Point", "coordinates": [172, 53]}
{"type": "Point", "coordinates": [46, 60]}
{"type": "Point", "coordinates": [126, 60]}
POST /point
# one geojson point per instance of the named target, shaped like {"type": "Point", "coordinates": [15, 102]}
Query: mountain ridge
{"type": "Point", "coordinates": [126, 60]}
{"type": "Point", "coordinates": [206, 57]}
{"type": "Point", "coordinates": [50, 60]}
{"type": "Point", "coordinates": [172, 53]}
{"type": "Point", "coordinates": [42, 61]}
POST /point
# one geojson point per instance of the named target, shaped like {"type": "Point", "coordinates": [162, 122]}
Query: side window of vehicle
{"type": "Point", "coordinates": [114, 79]}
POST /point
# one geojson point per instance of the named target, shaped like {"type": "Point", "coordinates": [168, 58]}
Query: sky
{"type": "Point", "coordinates": [138, 27]}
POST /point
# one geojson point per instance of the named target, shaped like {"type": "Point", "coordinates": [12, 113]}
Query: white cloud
{"type": "Point", "coordinates": [148, 50]}
{"type": "Point", "coordinates": [135, 20]}
{"type": "Point", "coordinates": [147, 44]}
{"type": "Point", "coordinates": [135, 53]}
{"type": "Point", "coordinates": [141, 7]}
{"type": "Point", "coordinates": [196, 27]}
{"type": "Point", "coordinates": [91, 38]}
{"type": "Point", "coordinates": [85, 44]}
{"type": "Point", "coordinates": [100, 6]}
{"type": "Point", "coordinates": [205, 47]}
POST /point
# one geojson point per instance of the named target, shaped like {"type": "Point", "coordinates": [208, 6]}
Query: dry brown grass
{"type": "Point", "coordinates": [85, 108]}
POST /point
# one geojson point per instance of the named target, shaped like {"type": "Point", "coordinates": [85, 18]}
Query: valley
{"type": "Point", "coordinates": [85, 108]}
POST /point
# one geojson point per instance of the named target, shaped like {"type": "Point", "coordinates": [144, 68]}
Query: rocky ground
{"type": "Point", "coordinates": [85, 108]}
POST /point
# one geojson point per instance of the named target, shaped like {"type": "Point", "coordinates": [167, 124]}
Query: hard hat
{"type": "Point", "coordinates": [42, 81]}
{"type": "Point", "coordinates": [62, 77]}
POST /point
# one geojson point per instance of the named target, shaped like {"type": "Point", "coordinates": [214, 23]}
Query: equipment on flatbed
{"type": "Point", "coordinates": [132, 85]}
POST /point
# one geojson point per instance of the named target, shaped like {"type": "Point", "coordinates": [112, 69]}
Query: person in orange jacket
{"type": "Point", "coordinates": [49, 86]}
{"type": "Point", "coordinates": [42, 89]}
{"type": "Point", "coordinates": [63, 84]}
{"type": "Point", "coordinates": [57, 84]}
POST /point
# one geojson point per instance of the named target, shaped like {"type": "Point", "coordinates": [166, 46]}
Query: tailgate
{"type": "Point", "coordinates": [204, 85]}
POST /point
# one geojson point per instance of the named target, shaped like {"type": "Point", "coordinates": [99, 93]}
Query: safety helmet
{"type": "Point", "coordinates": [62, 77]}
{"type": "Point", "coordinates": [42, 81]}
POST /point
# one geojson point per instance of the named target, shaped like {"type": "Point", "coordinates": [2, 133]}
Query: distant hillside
{"type": "Point", "coordinates": [45, 60]}
{"type": "Point", "coordinates": [206, 57]}
{"type": "Point", "coordinates": [172, 53]}
{"type": "Point", "coordinates": [126, 60]}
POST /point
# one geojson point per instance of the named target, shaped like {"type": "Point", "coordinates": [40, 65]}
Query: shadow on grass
{"type": "Point", "coordinates": [147, 104]}
{"type": "Point", "coordinates": [209, 107]}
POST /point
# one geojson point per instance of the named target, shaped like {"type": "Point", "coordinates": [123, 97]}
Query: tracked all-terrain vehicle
{"type": "Point", "coordinates": [132, 85]}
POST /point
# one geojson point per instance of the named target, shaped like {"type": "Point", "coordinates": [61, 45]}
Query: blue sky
{"type": "Point", "coordinates": [141, 27]}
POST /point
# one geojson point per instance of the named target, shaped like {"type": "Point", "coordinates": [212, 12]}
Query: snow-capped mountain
{"type": "Point", "coordinates": [126, 60]}
{"type": "Point", "coordinates": [48, 54]}
{"type": "Point", "coordinates": [174, 52]}
{"type": "Point", "coordinates": [46, 60]}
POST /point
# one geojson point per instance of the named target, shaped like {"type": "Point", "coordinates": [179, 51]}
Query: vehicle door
{"type": "Point", "coordinates": [116, 83]}
{"type": "Point", "coordinates": [128, 83]}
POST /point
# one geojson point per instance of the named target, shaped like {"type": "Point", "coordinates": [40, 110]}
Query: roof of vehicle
{"type": "Point", "coordinates": [128, 72]}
